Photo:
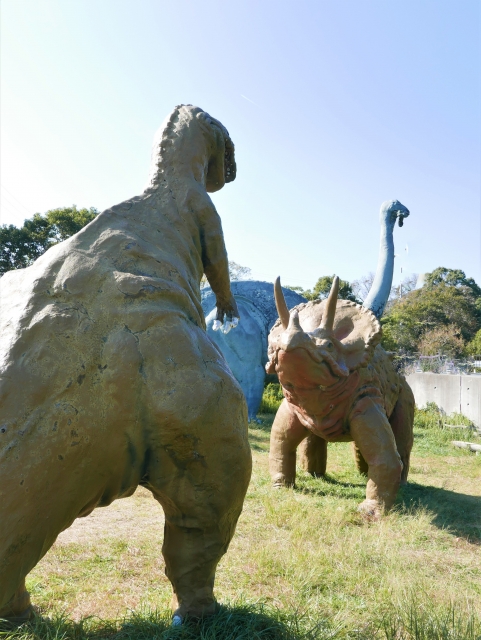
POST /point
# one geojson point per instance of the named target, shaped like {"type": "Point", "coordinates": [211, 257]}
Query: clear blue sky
{"type": "Point", "coordinates": [333, 105]}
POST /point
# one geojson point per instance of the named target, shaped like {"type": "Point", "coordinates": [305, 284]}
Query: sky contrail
{"type": "Point", "coordinates": [249, 100]}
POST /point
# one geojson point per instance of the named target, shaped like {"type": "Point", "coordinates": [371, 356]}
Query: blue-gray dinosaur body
{"type": "Point", "coordinates": [245, 349]}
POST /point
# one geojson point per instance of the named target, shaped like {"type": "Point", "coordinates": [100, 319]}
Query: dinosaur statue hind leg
{"type": "Point", "coordinates": [402, 420]}
{"type": "Point", "coordinates": [286, 435]}
{"type": "Point", "coordinates": [199, 466]}
{"type": "Point", "coordinates": [200, 478]}
{"type": "Point", "coordinates": [313, 455]}
{"type": "Point", "coordinates": [372, 433]}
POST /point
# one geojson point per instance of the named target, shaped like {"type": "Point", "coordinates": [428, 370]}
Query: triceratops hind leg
{"type": "Point", "coordinates": [286, 435]}
{"type": "Point", "coordinates": [401, 421]}
{"type": "Point", "coordinates": [313, 455]}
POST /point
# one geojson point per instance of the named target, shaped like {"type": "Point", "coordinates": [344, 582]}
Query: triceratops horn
{"type": "Point", "coordinates": [294, 323]}
{"type": "Point", "coordinates": [281, 305]}
{"type": "Point", "coordinates": [327, 321]}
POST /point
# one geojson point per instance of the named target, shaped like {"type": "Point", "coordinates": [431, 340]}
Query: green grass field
{"type": "Point", "coordinates": [302, 565]}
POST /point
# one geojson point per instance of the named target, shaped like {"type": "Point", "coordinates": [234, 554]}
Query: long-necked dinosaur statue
{"type": "Point", "coordinates": [340, 384]}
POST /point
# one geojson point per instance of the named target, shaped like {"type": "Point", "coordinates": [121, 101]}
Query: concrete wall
{"type": "Point", "coordinates": [452, 393]}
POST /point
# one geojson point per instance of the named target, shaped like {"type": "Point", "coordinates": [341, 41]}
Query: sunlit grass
{"type": "Point", "coordinates": [302, 565]}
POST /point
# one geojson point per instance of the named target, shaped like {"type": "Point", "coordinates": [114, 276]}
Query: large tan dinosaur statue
{"type": "Point", "coordinates": [108, 380]}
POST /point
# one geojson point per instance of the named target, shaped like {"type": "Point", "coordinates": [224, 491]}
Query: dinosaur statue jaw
{"type": "Point", "coordinates": [401, 214]}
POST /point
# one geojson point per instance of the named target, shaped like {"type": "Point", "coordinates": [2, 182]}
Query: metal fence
{"type": "Point", "coordinates": [416, 363]}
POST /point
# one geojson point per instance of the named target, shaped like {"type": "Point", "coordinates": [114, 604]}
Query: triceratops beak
{"type": "Point", "coordinates": [327, 321]}
{"type": "Point", "coordinates": [281, 305]}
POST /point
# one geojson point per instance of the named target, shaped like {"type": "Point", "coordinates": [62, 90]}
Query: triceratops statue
{"type": "Point", "coordinates": [339, 385]}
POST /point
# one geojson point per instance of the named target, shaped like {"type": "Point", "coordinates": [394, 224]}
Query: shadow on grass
{"type": "Point", "coordinates": [330, 480]}
{"type": "Point", "coordinates": [412, 621]}
{"type": "Point", "coordinates": [458, 513]}
{"type": "Point", "coordinates": [258, 448]}
{"type": "Point", "coordinates": [262, 424]}
{"type": "Point", "coordinates": [258, 443]}
{"type": "Point", "coordinates": [248, 622]}
{"type": "Point", "coordinates": [330, 486]}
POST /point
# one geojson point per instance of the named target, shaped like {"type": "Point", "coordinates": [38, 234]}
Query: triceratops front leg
{"type": "Point", "coordinates": [286, 435]}
{"type": "Point", "coordinates": [372, 433]}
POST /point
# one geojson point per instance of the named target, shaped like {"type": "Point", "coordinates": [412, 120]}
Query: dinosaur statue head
{"type": "Point", "coordinates": [201, 141]}
{"type": "Point", "coordinates": [322, 341]}
{"type": "Point", "coordinates": [221, 164]}
{"type": "Point", "coordinates": [392, 210]}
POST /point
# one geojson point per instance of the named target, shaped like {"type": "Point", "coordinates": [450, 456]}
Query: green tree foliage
{"type": "Point", "coordinates": [473, 348]}
{"type": "Point", "coordinates": [453, 278]}
{"type": "Point", "coordinates": [19, 247]}
{"type": "Point", "coordinates": [323, 286]}
{"type": "Point", "coordinates": [444, 340]}
{"type": "Point", "coordinates": [447, 300]}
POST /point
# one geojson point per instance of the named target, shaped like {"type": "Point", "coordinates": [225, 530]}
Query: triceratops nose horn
{"type": "Point", "coordinates": [281, 305]}
{"type": "Point", "coordinates": [327, 321]}
{"type": "Point", "coordinates": [294, 324]}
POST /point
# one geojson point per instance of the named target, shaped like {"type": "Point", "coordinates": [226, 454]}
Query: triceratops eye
{"type": "Point", "coordinates": [329, 345]}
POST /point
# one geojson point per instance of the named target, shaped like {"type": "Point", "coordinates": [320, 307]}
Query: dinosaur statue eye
{"type": "Point", "coordinates": [329, 345]}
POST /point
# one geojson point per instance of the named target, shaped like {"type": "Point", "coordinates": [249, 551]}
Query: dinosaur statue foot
{"type": "Point", "coordinates": [19, 609]}
{"type": "Point", "coordinates": [192, 612]}
{"type": "Point", "coordinates": [16, 619]}
{"type": "Point", "coordinates": [371, 510]}
{"type": "Point", "coordinates": [281, 482]}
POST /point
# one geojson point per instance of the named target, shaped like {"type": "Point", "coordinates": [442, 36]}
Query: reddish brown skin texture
{"type": "Point", "coordinates": [323, 409]}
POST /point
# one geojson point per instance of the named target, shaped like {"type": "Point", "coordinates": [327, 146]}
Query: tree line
{"type": "Point", "coordinates": [443, 316]}
{"type": "Point", "coordinates": [20, 246]}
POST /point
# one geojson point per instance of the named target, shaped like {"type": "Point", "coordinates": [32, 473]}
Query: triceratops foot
{"type": "Point", "coordinates": [371, 510]}
{"type": "Point", "coordinates": [281, 482]}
